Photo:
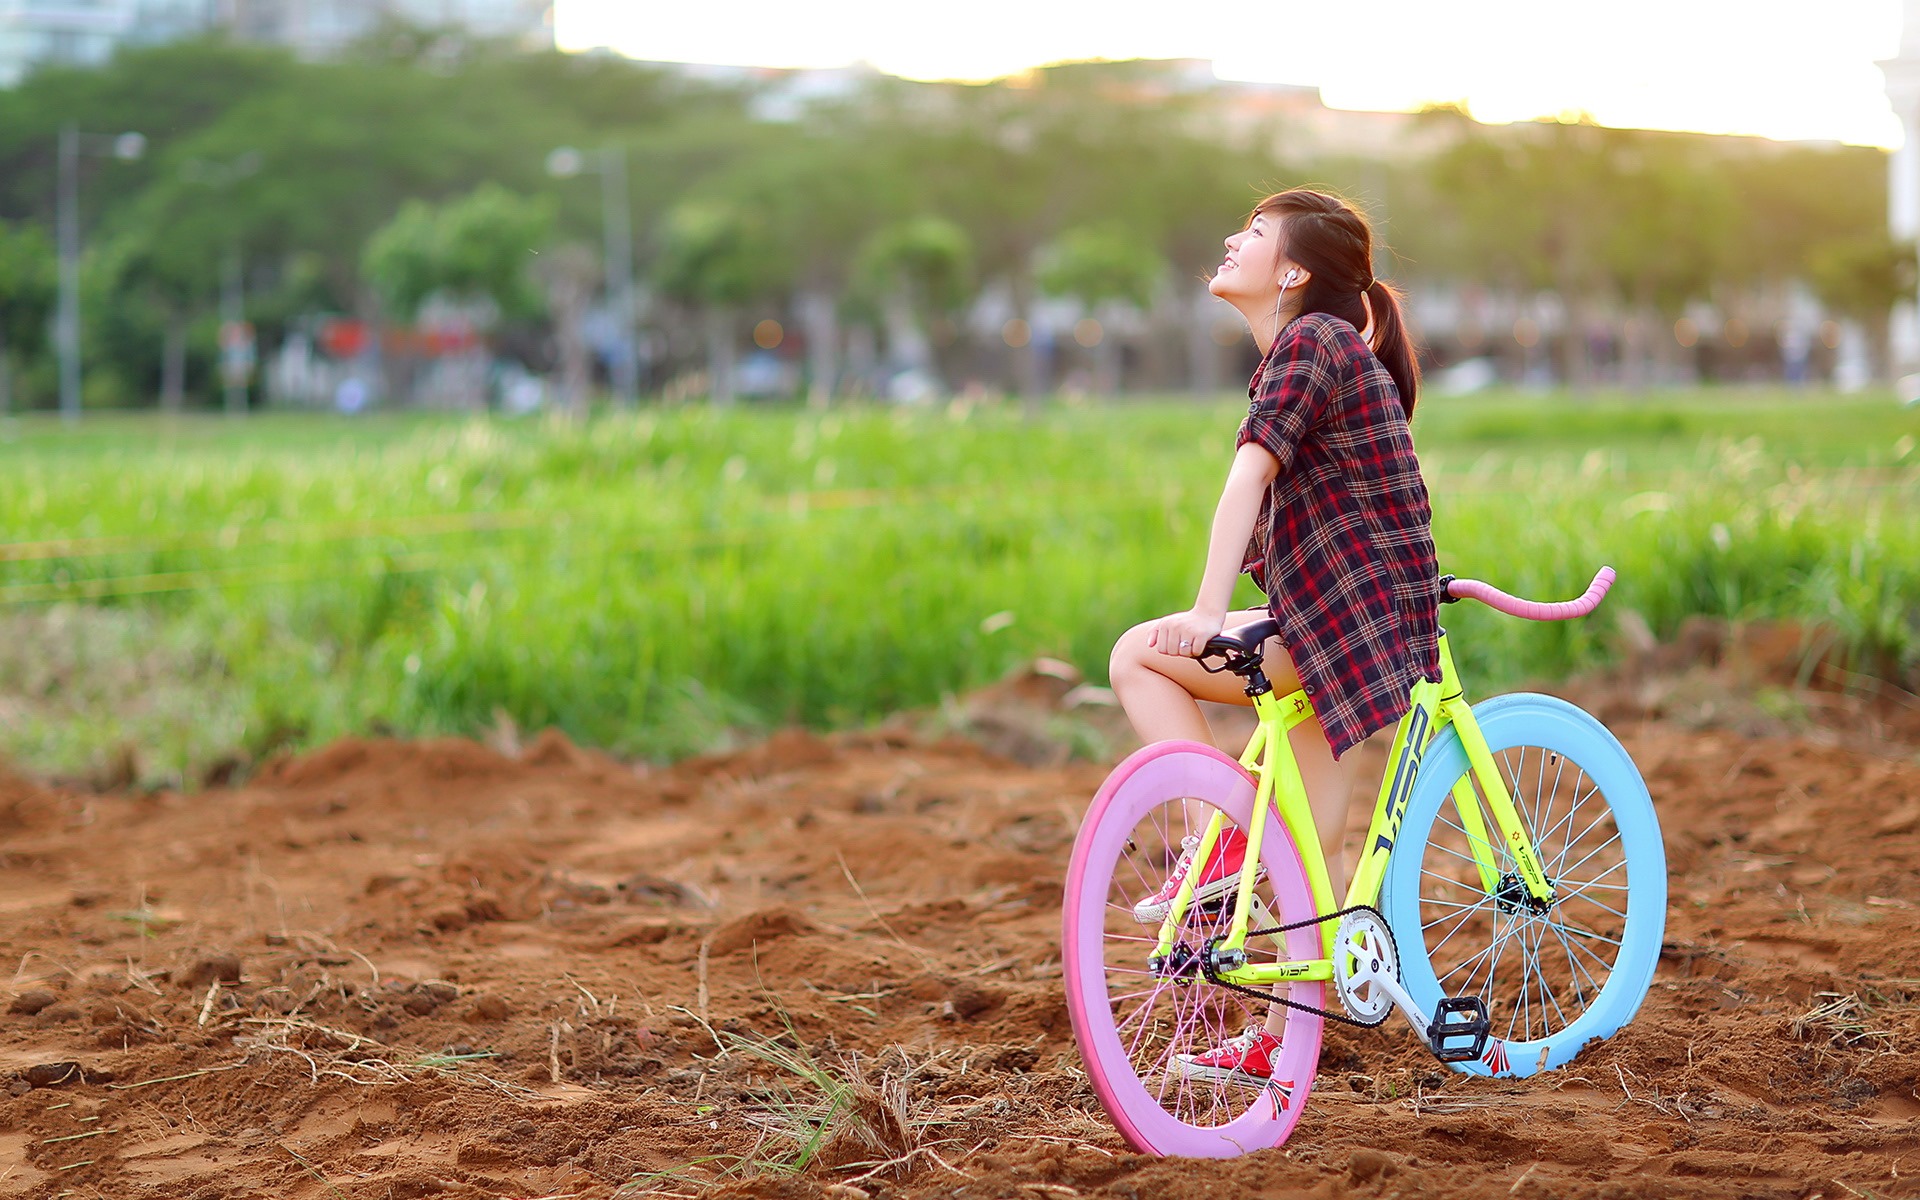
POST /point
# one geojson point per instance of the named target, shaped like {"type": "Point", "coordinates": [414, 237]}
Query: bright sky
{"type": "Point", "coordinates": [1799, 70]}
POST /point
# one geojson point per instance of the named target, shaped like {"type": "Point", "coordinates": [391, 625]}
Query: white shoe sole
{"type": "Point", "coordinates": [1188, 1069]}
{"type": "Point", "coordinates": [1153, 912]}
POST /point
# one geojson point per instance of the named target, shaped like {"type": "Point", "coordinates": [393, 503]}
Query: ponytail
{"type": "Point", "coordinates": [1391, 345]}
{"type": "Point", "coordinates": [1330, 238]}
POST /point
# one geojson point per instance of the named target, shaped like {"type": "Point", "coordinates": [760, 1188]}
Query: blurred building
{"type": "Point", "coordinates": [86, 32]}
{"type": "Point", "coordinates": [1903, 177]}
{"type": "Point", "coordinates": [74, 32]}
{"type": "Point", "coordinates": [317, 28]}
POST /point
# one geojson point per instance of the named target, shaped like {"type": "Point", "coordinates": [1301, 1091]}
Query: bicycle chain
{"type": "Point", "coordinates": [1206, 969]}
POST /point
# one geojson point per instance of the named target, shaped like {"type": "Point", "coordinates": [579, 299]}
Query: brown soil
{"type": "Point", "coordinates": [395, 969]}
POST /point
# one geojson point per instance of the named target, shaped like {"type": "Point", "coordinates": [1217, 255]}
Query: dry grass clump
{"type": "Point", "coordinates": [1845, 1021]}
{"type": "Point", "coordinates": [836, 1111]}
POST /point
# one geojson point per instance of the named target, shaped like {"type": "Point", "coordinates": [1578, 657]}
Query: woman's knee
{"type": "Point", "coordinates": [1129, 655]}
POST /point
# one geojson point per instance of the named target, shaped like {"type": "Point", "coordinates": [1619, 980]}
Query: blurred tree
{"type": "Point", "coordinates": [474, 250]}
{"type": "Point", "coordinates": [1105, 267]}
{"type": "Point", "coordinates": [475, 253]}
{"type": "Point", "coordinates": [824, 190]}
{"type": "Point", "coordinates": [156, 280]}
{"type": "Point", "coordinates": [1863, 278]}
{"type": "Point", "coordinates": [918, 273]}
{"type": "Point", "coordinates": [570, 272]}
{"type": "Point", "coordinates": [1097, 264]}
{"type": "Point", "coordinates": [27, 287]}
{"type": "Point", "coordinates": [1624, 227]}
{"type": "Point", "coordinates": [168, 92]}
{"type": "Point", "coordinates": [1600, 217]}
{"type": "Point", "coordinates": [716, 258]}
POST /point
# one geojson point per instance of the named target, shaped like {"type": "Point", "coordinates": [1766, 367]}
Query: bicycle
{"type": "Point", "coordinates": [1507, 946]}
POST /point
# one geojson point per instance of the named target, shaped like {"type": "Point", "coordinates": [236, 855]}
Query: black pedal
{"type": "Point", "coordinates": [1459, 1029]}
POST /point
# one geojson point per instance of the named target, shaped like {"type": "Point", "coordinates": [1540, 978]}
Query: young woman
{"type": "Point", "coordinates": [1324, 505]}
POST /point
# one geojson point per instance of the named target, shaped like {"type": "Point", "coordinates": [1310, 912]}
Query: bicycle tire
{"type": "Point", "coordinates": [1433, 895]}
{"type": "Point", "coordinates": [1102, 945]}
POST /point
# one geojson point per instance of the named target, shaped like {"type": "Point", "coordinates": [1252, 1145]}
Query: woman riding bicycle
{"type": "Point", "coordinates": [1325, 506]}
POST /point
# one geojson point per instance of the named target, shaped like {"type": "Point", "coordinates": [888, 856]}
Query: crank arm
{"type": "Point", "coordinates": [1409, 1009]}
{"type": "Point", "coordinates": [1481, 1046]}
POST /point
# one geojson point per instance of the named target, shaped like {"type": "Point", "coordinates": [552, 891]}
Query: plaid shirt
{"type": "Point", "coordinates": [1344, 543]}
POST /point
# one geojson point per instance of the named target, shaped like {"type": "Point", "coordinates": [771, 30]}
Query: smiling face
{"type": "Point", "coordinates": [1255, 264]}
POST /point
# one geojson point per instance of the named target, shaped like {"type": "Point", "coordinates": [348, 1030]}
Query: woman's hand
{"type": "Point", "coordinates": [1185, 634]}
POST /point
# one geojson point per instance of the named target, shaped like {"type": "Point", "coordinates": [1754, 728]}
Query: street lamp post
{"type": "Point", "coordinates": [66, 330]}
{"type": "Point", "coordinates": [617, 219]}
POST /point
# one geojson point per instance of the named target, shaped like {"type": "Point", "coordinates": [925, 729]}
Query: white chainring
{"type": "Point", "coordinates": [1364, 952]}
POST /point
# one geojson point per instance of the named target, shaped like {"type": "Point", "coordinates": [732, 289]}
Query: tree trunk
{"type": "Point", "coordinates": [575, 361]}
{"type": "Point", "coordinates": [6, 381]}
{"type": "Point", "coordinates": [569, 273]}
{"type": "Point", "coordinates": [1879, 327]}
{"type": "Point", "coordinates": [173, 362]}
{"type": "Point", "coordinates": [908, 348]}
{"type": "Point", "coordinates": [1203, 352]}
{"type": "Point", "coordinates": [1108, 354]}
{"type": "Point", "coordinates": [820, 325]}
{"type": "Point", "coordinates": [1025, 358]}
{"type": "Point", "coordinates": [862, 356]}
{"type": "Point", "coordinates": [720, 356]}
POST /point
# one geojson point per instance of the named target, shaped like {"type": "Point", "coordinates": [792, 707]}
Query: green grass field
{"type": "Point", "coordinates": [651, 581]}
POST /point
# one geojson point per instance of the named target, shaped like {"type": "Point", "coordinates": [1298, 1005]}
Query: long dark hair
{"type": "Point", "coordinates": [1331, 239]}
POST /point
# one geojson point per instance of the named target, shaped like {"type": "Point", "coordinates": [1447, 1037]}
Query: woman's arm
{"type": "Point", "coordinates": [1252, 473]}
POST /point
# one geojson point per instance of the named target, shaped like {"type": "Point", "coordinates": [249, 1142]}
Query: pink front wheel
{"type": "Point", "coordinates": [1132, 1023]}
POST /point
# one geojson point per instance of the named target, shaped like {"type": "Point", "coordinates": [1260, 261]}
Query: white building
{"type": "Point", "coordinates": [77, 32]}
{"type": "Point", "coordinates": [317, 28]}
{"type": "Point", "coordinates": [86, 32]}
{"type": "Point", "coordinates": [1903, 177]}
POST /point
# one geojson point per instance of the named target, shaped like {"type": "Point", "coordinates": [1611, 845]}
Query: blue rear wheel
{"type": "Point", "coordinates": [1554, 977]}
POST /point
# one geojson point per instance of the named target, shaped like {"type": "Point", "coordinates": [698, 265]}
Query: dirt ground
{"type": "Point", "coordinates": [392, 969]}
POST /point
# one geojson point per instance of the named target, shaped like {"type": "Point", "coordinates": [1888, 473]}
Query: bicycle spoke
{"type": "Point", "coordinates": [1539, 777]}
{"type": "Point", "coordinates": [1586, 933]}
{"type": "Point", "coordinates": [1545, 808]}
{"type": "Point", "coordinates": [1466, 858]}
{"type": "Point", "coordinates": [1590, 900]}
{"type": "Point", "coordinates": [1491, 948]}
{"type": "Point", "coordinates": [1611, 887]}
{"type": "Point", "coordinates": [1567, 847]}
{"type": "Point", "coordinates": [1491, 845]}
{"type": "Point", "coordinates": [1562, 823]}
{"type": "Point", "coordinates": [1449, 904]}
{"type": "Point", "coordinates": [1521, 1007]}
{"type": "Point", "coordinates": [1580, 799]}
{"type": "Point", "coordinates": [1597, 849]}
{"type": "Point", "coordinates": [1586, 950]}
{"type": "Point", "coordinates": [1466, 919]}
{"type": "Point", "coordinates": [1574, 969]}
{"type": "Point", "coordinates": [1618, 887]}
{"type": "Point", "coordinates": [1576, 963]}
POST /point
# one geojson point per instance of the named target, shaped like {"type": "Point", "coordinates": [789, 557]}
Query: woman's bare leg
{"type": "Point", "coordinates": [1160, 692]}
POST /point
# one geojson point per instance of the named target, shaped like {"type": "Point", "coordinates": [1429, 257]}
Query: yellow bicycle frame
{"type": "Point", "coordinates": [1269, 758]}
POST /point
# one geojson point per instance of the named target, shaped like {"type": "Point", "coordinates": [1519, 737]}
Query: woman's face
{"type": "Point", "coordinates": [1254, 265]}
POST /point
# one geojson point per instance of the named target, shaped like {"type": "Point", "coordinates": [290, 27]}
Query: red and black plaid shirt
{"type": "Point", "coordinates": [1343, 547]}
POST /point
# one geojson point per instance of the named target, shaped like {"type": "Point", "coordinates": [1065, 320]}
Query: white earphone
{"type": "Point", "coordinates": [1288, 281]}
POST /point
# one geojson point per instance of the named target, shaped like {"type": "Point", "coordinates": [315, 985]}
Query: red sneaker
{"type": "Point", "coordinates": [1246, 1060]}
{"type": "Point", "coordinates": [1218, 878]}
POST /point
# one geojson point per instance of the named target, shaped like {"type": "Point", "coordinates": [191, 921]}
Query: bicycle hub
{"type": "Point", "coordinates": [1512, 896]}
{"type": "Point", "coordinates": [1181, 964]}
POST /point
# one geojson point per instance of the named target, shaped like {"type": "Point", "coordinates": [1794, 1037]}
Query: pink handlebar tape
{"type": "Point", "coordinates": [1534, 610]}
